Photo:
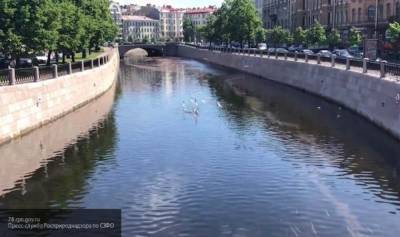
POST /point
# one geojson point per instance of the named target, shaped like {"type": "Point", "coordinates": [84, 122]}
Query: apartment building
{"type": "Point", "coordinates": [138, 28]}
{"type": "Point", "coordinates": [116, 14]}
{"type": "Point", "coordinates": [171, 23]}
{"type": "Point", "coordinates": [259, 4]}
{"type": "Point", "coordinates": [372, 15]}
{"type": "Point", "coordinates": [277, 13]}
{"type": "Point", "coordinates": [199, 15]}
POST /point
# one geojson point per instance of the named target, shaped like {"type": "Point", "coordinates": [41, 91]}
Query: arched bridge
{"type": "Point", "coordinates": [152, 49]}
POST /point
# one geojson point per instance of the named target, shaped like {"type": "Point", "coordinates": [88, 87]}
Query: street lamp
{"type": "Point", "coordinates": [376, 19]}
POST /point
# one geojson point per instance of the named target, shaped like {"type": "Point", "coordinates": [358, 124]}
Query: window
{"type": "Point", "coordinates": [388, 10]}
{"type": "Point", "coordinates": [353, 15]}
{"type": "Point", "coordinates": [398, 9]}
{"type": "Point", "coordinates": [371, 13]}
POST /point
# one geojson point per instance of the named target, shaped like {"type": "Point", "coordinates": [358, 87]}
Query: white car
{"type": "Point", "coordinates": [325, 53]}
{"type": "Point", "coordinates": [262, 46]}
{"type": "Point", "coordinates": [307, 51]}
{"type": "Point", "coordinates": [343, 53]}
{"type": "Point", "coordinates": [41, 59]}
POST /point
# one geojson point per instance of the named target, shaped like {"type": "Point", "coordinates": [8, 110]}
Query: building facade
{"type": "Point", "coordinates": [259, 4]}
{"type": "Point", "coordinates": [372, 16]}
{"type": "Point", "coordinates": [171, 23]}
{"type": "Point", "coordinates": [199, 15]}
{"type": "Point", "coordinates": [277, 13]}
{"type": "Point", "coordinates": [116, 14]}
{"type": "Point", "coordinates": [140, 28]}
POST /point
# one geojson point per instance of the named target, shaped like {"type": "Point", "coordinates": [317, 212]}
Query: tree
{"type": "Point", "coordinates": [333, 39]}
{"type": "Point", "coordinates": [355, 37]}
{"type": "Point", "coordinates": [11, 42]}
{"type": "Point", "coordinates": [299, 36]}
{"type": "Point", "coordinates": [244, 20]}
{"type": "Point", "coordinates": [72, 30]}
{"type": "Point", "coordinates": [38, 24]}
{"type": "Point", "coordinates": [394, 32]}
{"type": "Point", "coordinates": [316, 35]}
{"type": "Point", "coordinates": [208, 32]}
{"type": "Point", "coordinates": [260, 35]}
{"type": "Point", "coordinates": [101, 27]}
{"type": "Point", "coordinates": [278, 36]}
{"type": "Point", "coordinates": [188, 30]}
{"type": "Point", "coordinates": [223, 23]}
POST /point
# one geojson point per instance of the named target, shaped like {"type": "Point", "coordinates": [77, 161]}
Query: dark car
{"type": "Point", "coordinates": [4, 63]}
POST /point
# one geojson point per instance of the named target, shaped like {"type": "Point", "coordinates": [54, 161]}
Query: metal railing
{"type": "Point", "coordinates": [4, 77]}
{"type": "Point", "coordinates": [12, 76]}
{"type": "Point", "coordinates": [381, 68]}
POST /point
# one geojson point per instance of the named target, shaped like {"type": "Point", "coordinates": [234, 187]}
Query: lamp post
{"type": "Point", "coordinates": [376, 19]}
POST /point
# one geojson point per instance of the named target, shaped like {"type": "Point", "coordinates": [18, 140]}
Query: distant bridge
{"type": "Point", "coordinates": [168, 49]}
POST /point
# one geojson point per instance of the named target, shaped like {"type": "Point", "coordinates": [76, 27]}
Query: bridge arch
{"type": "Point", "coordinates": [151, 49]}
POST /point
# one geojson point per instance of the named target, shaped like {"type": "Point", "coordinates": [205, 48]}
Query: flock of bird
{"type": "Point", "coordinates": [193, 106]}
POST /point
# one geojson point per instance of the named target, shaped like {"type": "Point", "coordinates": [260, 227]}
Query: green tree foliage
{"type": "Point", "coordinates": [394, 32]}
{"type": "Point", "coordinates": [333, 39]}
{"type": "Point", "coordinates": [316, 35]}
{"type": "Point", "coordinates": [278, 36]}
{"type": "Point", "coordinates": [208, 31]}
{"type": "Point", "coordinates": [11, 42]}
{"type": "Point", "coordinates": [261, 35]}
{"type": "Point", "coordinates": [355, 37]}
{"type": "Point", "coordinates": [299, 36]}
{"type": "Point", "coordinates": [189, 30]}
{"type": "Point", "coordinates": [236, 20]}
{"type": "Point", "coordinates": [37, 26]}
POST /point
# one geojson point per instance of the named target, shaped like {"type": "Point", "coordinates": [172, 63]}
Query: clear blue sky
{"type": "Point", "coordinates": [174, 3]}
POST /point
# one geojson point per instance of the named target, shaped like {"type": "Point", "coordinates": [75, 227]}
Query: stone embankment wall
{"type": "Point", "coordinates": [25, 107]}
{"type": "Point", "coordinates": [375, 98]}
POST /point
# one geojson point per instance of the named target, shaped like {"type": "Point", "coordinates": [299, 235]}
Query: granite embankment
{"type": "Point", "coordinates": [375, 98]}
{"type": "Point", "coordinates": [24, 107]}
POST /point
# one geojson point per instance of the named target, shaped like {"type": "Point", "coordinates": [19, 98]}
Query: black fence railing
{"type": "Point", "coordinates": [24, 75]}
{"type": "Point", "coordinates": [88, 64]}
{"type": "Point", "coordinates": [382, 67]}
{"type": "Point", "coordinates": [4, 77]}
{"type": "Point", "coordinates": [46, 72]}
{"type": "Point", "coordinates": [13, 76]}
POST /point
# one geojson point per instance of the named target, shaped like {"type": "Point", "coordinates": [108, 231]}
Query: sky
{"type": "Point", "coordinates": [174, 3]}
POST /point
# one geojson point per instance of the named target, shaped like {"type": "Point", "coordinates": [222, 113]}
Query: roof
{"type": "Point", "coordinates": [136, 18]}
{"type": "Point", "coordinates": [200, 10]}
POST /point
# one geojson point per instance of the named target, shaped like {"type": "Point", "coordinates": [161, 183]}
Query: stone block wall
{"type": "Point", "coordinates": [25, 107]}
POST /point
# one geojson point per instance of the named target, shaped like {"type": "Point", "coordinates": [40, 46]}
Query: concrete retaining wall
{"type": "Point", "coordinates": [374, 98]}
{"type": "Point", "coordinates": [27, 106]}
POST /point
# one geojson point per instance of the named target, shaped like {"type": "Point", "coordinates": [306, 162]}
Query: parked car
{"type": "Point", "coordinates": [271, 50]}
{"type": "Point", "coordinates": [325, 53]}
{"type": "Point", "coordinates": [4, 62]}
{"type": "Point", "coordinates": [25, 62]}
{"type": "Point", "coordinates": [356, 51]}
{"type": "Point", "coordinates": [294, 48]}
{"type": "Point", "coordinates": [282, 50]}
{"type": "Point", "coordinates": [42, 59]}
{"type": "Point", "coordinates": [262, 46]}
{"type": "Point", "coordinates": [307, 51]}
{"type": "Point", "coordinates": [343, 53]}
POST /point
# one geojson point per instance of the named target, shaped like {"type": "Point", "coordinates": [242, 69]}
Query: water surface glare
{"type": "Point", "coordinates": [190, 149]}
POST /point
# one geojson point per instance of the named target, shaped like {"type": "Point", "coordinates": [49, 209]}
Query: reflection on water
{"type": "Point", "coordinates": [256, 159]}
{"type": "Point", "coordinates": [41, 154]}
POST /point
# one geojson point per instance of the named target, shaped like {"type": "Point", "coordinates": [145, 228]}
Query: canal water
{"type": "Point", "coordinates": [189, 149]}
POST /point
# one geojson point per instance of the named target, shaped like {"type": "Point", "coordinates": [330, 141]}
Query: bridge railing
{"type": "Point", "coordinates": [379, 68]}
{"type": "Point", "coordinates": [12, 76]}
